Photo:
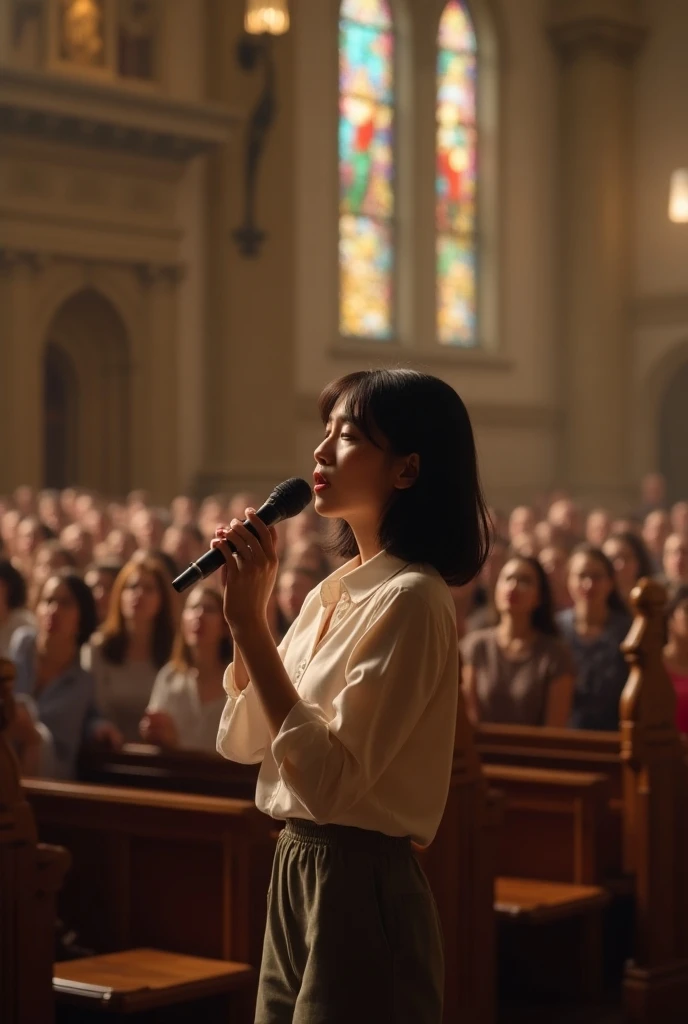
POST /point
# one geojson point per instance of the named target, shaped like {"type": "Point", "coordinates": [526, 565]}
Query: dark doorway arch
{"type": "Point", "coordinates": [673, 435]}
{"type": "Point", "coordinates": [87, 385]}
{"type": "Point", "coordinates": [60, 398]}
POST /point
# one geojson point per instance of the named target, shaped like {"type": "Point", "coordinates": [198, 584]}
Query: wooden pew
{"type": "Point", "coordinates": [187, 874]}
{"type": "Point", "coordinates": [655, 814]}
{"type": "Point", "coordinates": [113, 828]}
{"type": "Point", "coordinates": [30, 876]}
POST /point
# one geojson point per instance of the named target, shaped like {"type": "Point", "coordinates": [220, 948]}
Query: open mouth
{"type": "Point", "coordinates": [320, 483]}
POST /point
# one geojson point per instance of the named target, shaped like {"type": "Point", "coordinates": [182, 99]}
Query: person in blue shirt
{"type": "Point", "coordinates": [56, 709]}
{"type": "Point", "coordinates": [594, 629]}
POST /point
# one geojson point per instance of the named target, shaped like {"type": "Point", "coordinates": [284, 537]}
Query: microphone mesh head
{"type": "Point", "coordinates": [291, 496]}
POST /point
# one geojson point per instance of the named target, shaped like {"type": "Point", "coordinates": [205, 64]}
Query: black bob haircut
{"type": "Point", "coordinates": [442, 520]}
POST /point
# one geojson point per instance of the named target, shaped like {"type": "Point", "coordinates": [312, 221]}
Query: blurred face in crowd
{"type": "Point", "coordinates": [656, 529]}
{"type": "Point", "coordinates": [564, 515]}
{"type": "Point", "coordinates": [24, 500]}
{"type": "Point", "coordinates": [141, 598]}
{"type": "Point", "coordinates": [49, 511]}
{"type": "Point", "coordinates": [10, 523]}
{"type": "Point", "coordinates": [47, 561]}
{"type": "Point", "coordinates": [524, 544]}
{"type": "Point", "coordinates": [678, 624]}
{"type": "Point", "coordinates": [147, 529]}
{"type": "Point", "coordinates": [543, 534]}
{"type": "Point", "coordinates": [653, 489]}
{"type": "Point", "coordinates": [554, 561]}
{"type": "Point", "coordinates": [627, 525]}
{"type": "Point", "coordinates": [97, 522]}
{"type": "Point", "coordinates": [100, 583]}
{"type": "Point", "coordinates": [57, 613]}
{"type": "Point", "coordinates": [183, 510]}
{"type": "Point", "coordinates": [67, 499]}
{"type": "Point", "coordinates": [589, 583]}
{"type": "Point", "coordinates": [675, 561]}
{"type": "Point", "coordinates": [303, 526]}
{"type": "Point", "coordinates": [518, 591]}
{"type": "Point", "coordinates": [626, 567]}
{"type": "Point", "coordinates": [293, 587]}
{"type": "Point", "coordinates": [77, 540]}
{"type": "Point", "coordinates": [679, 518]}
{"type": "Point", "coordinates": [181, 545]}
{"type": "Point", "coordinates": [598, 527]}
{"type": "Point", "coordinates": [121, 545]}
{"type": "Point", "coordinates": [203, 624]}
{"type": "Point", "coordinates": [27, 538]}
{"type": "Point", "coordinates": [521, 521]}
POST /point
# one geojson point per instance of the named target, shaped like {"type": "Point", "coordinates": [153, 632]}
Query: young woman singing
{"type": "Point", "coordinates": [353, 715]}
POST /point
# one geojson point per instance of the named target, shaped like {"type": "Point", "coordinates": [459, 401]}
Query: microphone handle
{"type": "Point", "coordinates": [214, 559]}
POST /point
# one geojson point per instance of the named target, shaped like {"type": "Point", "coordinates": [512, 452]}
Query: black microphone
{"type": "Point", "coordinates": [287, 500]}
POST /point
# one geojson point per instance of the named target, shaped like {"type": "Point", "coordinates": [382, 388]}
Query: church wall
{"type": "Point", "coordinates": [510, 389]}
{"type": "Point", "coordinates": [660, 311]}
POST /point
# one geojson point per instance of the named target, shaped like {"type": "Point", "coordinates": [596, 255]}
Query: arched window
{"type": "Point", "coordinates": [455, 199]}
{"type": "Point", "coordinates": [366, 169]}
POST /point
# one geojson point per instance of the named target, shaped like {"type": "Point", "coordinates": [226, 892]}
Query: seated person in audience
{"type": "Point", "coordinates": [594, 628]}
{"type": "Point", "coordinates": [29, 535]}
{"type": "Point", "coordinates": [184, 544]}
{"type": "Point", "coordinates": [656, 529]}
{"type": "Point", "coordinates": [188, 698]}
{"type": "Point", "coordinates": [79, 542]}
{"type": "Point", "coordinates": [100, 577]}
{"type": "Point", "coordinates": [675, 562]}
{"type": "Point", "coordinates": [121, 545]}
{"type": "Point", "coordinates": [631, 562]}
{"type": "Point", "coordinates": [521, 521]}
{"type": "Point", "coordinates": [598, 526]}
{"type": "Point", "coordinates": [133, 644]}
{"type": "Point", "coordinates": [294, 584]}
{"type": "Point", "coordinates": [555, 561]}
{"type": "Point", "coordinates": [57, 695]}
{"type": "Point", "coordinates": [13, 610]}
{"type": "Point", "coordinates": [50, 556]}
{"type": "Point", "coordinates": [679, 518]}
{"type": "Point", "coordinates": [565, 519]}
{"type": "Point", "coordinates": [519, 672]}
{"type": "Point", "coordinates": [676, 653]}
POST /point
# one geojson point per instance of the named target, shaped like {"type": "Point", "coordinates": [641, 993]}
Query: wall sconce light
{"type": "Point", "coordinates": [678, 196]}
{"type": "Point", "coordinates": [261, 21]}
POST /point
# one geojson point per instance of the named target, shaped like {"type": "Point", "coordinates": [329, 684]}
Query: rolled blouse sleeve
{"type": "Point", "coordinates": [330, 761]}
{"type": "Point", "coordinates": [243, 733]}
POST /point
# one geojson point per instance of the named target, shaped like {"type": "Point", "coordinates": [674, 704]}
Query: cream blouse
{"type": "Point", "coordinates": [370, 742]}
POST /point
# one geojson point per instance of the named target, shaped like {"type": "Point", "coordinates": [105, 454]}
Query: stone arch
{"type": "Point", "coordinates": [87, 335]}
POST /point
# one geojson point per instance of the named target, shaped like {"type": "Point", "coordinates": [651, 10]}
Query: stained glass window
{"type": "Point", "coordinates": [455, 190]}
{"type": "Point", "coordinates": [366, 169]}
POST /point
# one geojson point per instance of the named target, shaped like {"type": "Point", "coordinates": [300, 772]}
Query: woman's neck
{"type": "Point", "coordinates": [139, 641]}
{"type": "Point", "coordinates": [589, 619]}
{"type": "Point", "coordinates": [367, 539]}
{"type": "Point", "coordinates": [514, 627]}
{"type": "Point", "coordinates": [57, 652]}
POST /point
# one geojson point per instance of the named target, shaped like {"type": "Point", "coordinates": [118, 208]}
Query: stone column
{"type": "Point", "coordinates": [21, 374]}
{"type": "Point", "coordinates": [597, 40]}
{"type": "Point", "coordinates": [156, 412]}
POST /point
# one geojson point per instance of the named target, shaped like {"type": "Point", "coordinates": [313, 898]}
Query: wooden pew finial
{"type": "Point", "coordinates": [648, 702]}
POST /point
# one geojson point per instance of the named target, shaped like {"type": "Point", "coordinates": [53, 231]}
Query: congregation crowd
{"type": "Point", "coordinates": [106, 652]}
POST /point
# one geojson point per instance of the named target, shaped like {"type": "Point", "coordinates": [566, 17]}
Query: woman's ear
{"type": "Point", "coordinates": [408, 473]}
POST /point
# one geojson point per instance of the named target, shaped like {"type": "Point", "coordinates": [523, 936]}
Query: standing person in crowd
{"type": "Point", "coordinates": [598, 526]}
{"type": "Point", "coordinates": [188, 697]}
{"type": "Point", "coordinates": [133, 644]}
{"type": "Point", "coordinates": [13, 611]}
{"type": "Point", "coordinates": [594, 628]}
{"type": "Point", "coordinates": [631, 562]}
{"type": "Point", "coordinates": [57, 695]}
{"type": "Point", "coordinates": [519, 672]}
{"type": "Point", "coordinates": [354, 715]}
{"type": "Point", "coordinates": [656, 529]}
{"type": "Point", "coordinates": [676, 654]}
{"type": "Point", "coordinates": [675, 561]}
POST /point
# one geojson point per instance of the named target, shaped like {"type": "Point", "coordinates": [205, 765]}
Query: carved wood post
{"type": "Point", "coordinates": [655, 820]}
{"type": "Point", "coordinates": [30, 876]}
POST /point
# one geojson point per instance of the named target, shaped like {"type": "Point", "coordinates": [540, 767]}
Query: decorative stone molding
{"type": "Point", "coordinates": [615, 27]}
{"type": "Point", "coordinates": [12, 260]}
{"type": "Point", "coordinates": [92, 113]}
{"type": "Point", "coordinates": [158, 273]}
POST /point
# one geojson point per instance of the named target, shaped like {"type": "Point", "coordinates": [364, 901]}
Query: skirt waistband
{"type": "Point", "coordinates": [306, 831]}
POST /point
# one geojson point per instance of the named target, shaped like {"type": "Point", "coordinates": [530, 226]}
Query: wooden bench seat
{"type": "Point", "coordinates": [137, 980]}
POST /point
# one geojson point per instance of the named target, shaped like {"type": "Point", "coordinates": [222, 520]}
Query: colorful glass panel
{"type": "Point", "coordinates": [456, 177]}
{"type": "Point", "coordinates": [366, 168]}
